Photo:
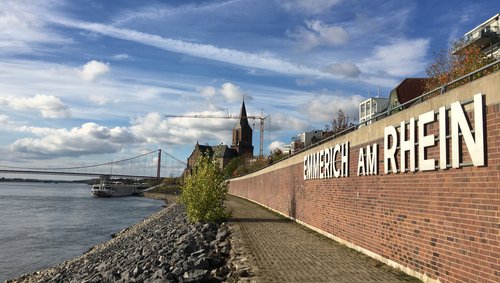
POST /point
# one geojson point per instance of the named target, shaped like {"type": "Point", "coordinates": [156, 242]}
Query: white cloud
{"type": "Point", "coordinates": [382, 80]}
{"type": "Point", "coordinates": [228, 92]}
{"type": "Point", "coordinates": [7, 125]}
{"type": "Point", "coordinates": [264, 61]}
{"type": "Point", "coordinates": [92, 69]}
{"type": "Point", "coordinates": [382, 22]}
{"type": "Point", "coordinates": [285, 122]}
{"type": "Point", "coordinates": [153, 127]}
{"type": "Point", "coordinates": [131, 93]}
{"type": "Point", "coordinates": [163, 11]}
{"type": "Point", "coordinates": [157, 129]}
{"type": "Point", "coordinates": [4, 119]}
{"type": "Point", "coordinates": [208, 91]}
{"type": "Point", "coordinates": [90, 138]}
{"type": "Point", "coordinates": [305, 82]}
{"type": "Point", "coordinates": [315, 33]}
{"type": "Point", "coordinates": [308, 6]}
{"type": "Point", "coordinates": [344, 69]}
{"type": "Point", "coordinates": [400, 58]}
{"type": "Point", "coordinates": [148, 92]}
{"type": "Point", "coordinates": [325, 107]}
{"type": "Point", "coordinates": [232, 92]}
{"type": "Point", "coordinates": [102, 100]}
{"type": "Point", "coordinates": [276, 145]}
{"type": "Point", "coordinates": [211, 97]}
{"type": "Point", "coordinates": [49, 106]}
{"type": "Point", "coordinates": [121, 57]}
{"type": "Point", "coordinates": [23, 28]}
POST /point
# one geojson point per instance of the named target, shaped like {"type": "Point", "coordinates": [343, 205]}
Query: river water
{"type": "Point", "coordinates": [42, 225]}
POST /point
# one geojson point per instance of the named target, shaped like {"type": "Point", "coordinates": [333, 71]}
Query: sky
{"type": "Point", "coordinates": [86, 81]}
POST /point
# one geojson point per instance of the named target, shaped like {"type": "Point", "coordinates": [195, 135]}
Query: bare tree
{"type": "Point", "coordinates": [338, 124]}
{"type": "Point", "coordinates": [276, 155]}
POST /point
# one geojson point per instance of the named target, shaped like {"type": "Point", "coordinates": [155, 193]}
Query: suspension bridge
{"type": "Point", "coordinates": [145, 166]}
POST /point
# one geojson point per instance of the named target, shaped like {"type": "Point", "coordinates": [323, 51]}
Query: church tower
{"type": "Point", "coordinates": [242, 135]}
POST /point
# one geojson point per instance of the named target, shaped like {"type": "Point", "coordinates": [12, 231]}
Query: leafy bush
{"type": "Point", "coordinates": [204, 192]}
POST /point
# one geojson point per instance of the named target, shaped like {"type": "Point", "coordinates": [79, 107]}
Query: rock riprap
{"type": "Point", "coordinates": [163, 248]}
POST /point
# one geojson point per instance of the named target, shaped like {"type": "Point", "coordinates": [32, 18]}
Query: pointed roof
{"type": "Point", "coordinates": [243, 112]}
{"type": "Point", "coordinates": [224, 151]}
{"type": "Point", "coordinates": [409, 89]}
{"type": "Point", "coordinates": [243, 122]}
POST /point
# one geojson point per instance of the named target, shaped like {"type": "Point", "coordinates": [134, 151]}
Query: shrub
{"type": "Point", "coordinates": [232, 167]}
{"type": "Point", "coordinates": [204, 192]}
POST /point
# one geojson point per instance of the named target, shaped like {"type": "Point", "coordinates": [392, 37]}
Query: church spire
{"type": "Point", "coordinates": [243, 115]}
{"type": "Point", "coordinates": [242, 134]}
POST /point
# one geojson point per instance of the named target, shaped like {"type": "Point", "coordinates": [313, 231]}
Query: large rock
{"type": "Point", "coordinates": [162, 248]}
{"type": "Point", "coordinates": [197, 275]}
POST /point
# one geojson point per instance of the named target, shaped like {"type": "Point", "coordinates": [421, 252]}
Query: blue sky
{"type": "Point", "coordinates": [88, 81]}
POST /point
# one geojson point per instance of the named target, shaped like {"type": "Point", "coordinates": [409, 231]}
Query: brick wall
{"type": "Point", "coordinates": [438, 225]}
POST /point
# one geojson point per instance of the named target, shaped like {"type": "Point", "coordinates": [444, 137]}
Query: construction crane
{"type": "Point", "coordinates": [261, 118]}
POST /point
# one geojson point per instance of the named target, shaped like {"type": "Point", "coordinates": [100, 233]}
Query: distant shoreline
{"type": "Point", "coordinates": [22, 180]}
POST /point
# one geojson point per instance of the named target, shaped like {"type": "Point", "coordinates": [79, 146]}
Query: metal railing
{"type": "Point", "coordinates": [439, 90]}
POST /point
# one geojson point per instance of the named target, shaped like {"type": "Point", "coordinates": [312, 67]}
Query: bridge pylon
{"type": "Point", "coordinates": [159, 166]}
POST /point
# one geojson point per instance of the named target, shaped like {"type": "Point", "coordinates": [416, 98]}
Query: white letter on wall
{"type": "Point", "coordinates": [344, 164]}
{"type": "Point", "coordinates": [425, 141]}
{"type": "Point", "coordinates": [305, 167]}
{"type": "Point", "coordinates": [443, 149]}
{"type": "Point", "coordinates": [361, 162]}
{"type": "Point", "coordinates": [336, 150]}
{"type": "Point", "coordinates": [407, 145]}
{"type": "Point", "coordinates": [312, 166]}
{"type": "Point", "coordinates": [389, 153]}
{"type": "Point", "coordinates": [372, 159]}
{"type": "Point", "coordinates": [327, 163]}
{"type": "Point", "coordinates": [316, 165]}
{"type": "Point", "coordinates": [322, 164]}
{"type": "Point", "coordinates": [459, 122]}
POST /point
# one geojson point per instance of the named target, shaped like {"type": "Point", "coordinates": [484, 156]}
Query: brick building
{"type": "Point", "coordinates": [241, 145]}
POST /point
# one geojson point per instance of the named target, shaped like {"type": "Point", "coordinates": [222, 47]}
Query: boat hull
{"type": "Point", "coordinates": [116, 189]}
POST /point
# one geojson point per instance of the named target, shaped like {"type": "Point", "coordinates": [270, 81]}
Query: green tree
{"type": "Point", "coordinates": [232, 167]}
{"type": "Point", "coordinates": [204, 192]}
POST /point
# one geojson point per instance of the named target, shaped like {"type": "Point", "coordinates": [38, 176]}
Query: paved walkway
{"type": "Point", "coordinates": [276, 249]}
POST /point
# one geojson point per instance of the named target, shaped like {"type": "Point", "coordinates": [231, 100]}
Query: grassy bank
{"type": "Point", "coordinates": [167, 193]}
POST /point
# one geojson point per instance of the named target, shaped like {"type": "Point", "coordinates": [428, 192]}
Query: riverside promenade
{"type": "Point", "coordinates": [270, 248]}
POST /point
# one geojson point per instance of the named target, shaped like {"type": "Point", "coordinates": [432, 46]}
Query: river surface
{"type": "Point", "coordinates": [42, 225]}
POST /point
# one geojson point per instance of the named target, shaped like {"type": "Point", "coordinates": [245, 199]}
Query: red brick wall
{"type": "Point", "coordinates": [444, 223]}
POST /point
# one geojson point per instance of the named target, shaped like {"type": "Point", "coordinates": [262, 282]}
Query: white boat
{"type": "Point", "coordinates": [115, 189]}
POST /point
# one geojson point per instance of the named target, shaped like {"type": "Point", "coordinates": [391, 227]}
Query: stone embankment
{"type": "Point", "coordinates": [163, 248]}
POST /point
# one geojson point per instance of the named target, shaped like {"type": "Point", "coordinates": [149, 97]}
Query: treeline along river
{"type": "Point", "coordinates": [43, 224]}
